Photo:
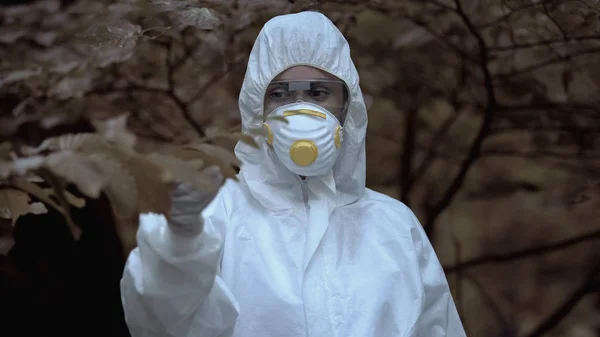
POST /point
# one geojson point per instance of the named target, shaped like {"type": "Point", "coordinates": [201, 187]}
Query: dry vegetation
{"type": "Point", "coordinates": [484, 119]}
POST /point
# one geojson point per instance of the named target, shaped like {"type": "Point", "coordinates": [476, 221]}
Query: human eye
{"type": "Point", "coordinates": [319, 92]}
{"type": "Point", "coordinates": [279, 94]}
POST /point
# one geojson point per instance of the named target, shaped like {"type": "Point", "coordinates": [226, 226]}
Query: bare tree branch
{"type": "Point", "coordinates": [548, 62]}
{"type": "Point", "coordinates": [483, 130]}
{"type": "Point", "coordinates": [431, 152]}
{"type": "Point", "coordinates": [543, 128]}
{"type": "Point", "coordinates": [540, 154]}
{"type": "Point", "coordinates": [171, 92]}
{"type": "Point", "coordinates": [513, 11]}
{"type": "Point", "coordinates": [491, 303]}
{"type": "Point", "coordinates": [528, 252]}
{"type": "Point", "coordinates": [591, 285]}
{"type": "Point", "coordinates": [217, 77]}
{"type": "Point", "coordinates": [407, 156]}
{"type": "Point", "coordinates": [544, 43]}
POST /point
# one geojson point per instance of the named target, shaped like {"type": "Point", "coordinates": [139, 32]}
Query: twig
{"type": "Point", "coordinates": [489, 301]}
{"type": "Point", "coordinates": [548, 62]}
{"type": "Point", "coordinates": [459, 284]}
{"type": "Point", "coordinates": [484, 129]}
{"type": "Point", "coordinates": [513, 11]}
{"type": "Point", "coordinates": [215, 78]}
{"type": "Point", "coordinates": [528, 252]}
{"type": "Point", "coordinates": [544, 43]}
{"type": "Point", "coordinates": [431, 153]}
{"type": "Point", "coordinates": [171, 93]}
{"type": "Point", "coordinates": [591, 285]}
{"type": "Point", "coordinates": [407, 156]}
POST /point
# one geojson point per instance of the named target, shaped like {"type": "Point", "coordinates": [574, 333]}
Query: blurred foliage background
{"type": "Point", "coordinates": [483, 119]}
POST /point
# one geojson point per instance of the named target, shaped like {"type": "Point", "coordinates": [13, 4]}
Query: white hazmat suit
{"type": "Point", "coordinates": [279, 256]}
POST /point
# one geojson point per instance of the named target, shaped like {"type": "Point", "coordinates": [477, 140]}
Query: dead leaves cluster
{"type": "Point", "coordinates": [105, 162]}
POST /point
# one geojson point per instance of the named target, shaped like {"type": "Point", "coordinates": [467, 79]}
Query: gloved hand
{"type": "Point", "coordinates": [187, 204]}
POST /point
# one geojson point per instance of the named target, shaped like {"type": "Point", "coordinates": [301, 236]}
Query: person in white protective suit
{"type": "Point", "coordinates": [298, 246]}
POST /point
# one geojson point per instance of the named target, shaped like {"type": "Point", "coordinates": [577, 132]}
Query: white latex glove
{"type": "Point", "coordinates": [187, 204]}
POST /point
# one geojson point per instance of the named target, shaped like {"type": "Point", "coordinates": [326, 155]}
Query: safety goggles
{"type": "Point", "coordinates": [330, 94]}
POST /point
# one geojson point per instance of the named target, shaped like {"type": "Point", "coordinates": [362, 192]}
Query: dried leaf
{"type": "Point", "coordinates": [59, 188]}
{"type": "Point", "coordinates": [73, 200]}
{"type": "Point", "coordinates": [39, 193]}
{"type": "Point", "coordinates": [202, 18]}
{"type": "Point", "coordinates": [153, 194]}
{"type": "Point", "coordinates": [15, 203]}
{"type": "Point", "coordinates": [205, 155]}
{"type": "Point", "coordinates": [5, 150]}
{"type": "Point", "coordinates": [88, 175]}
{"type": "Point", "coordinates": [77, 141]}
{"type": "Point", "coordinates": [74, 86]}
{"type": "Point", "coordinates": [6, 244]}
{"type": "Point", "coordinates": [120, 34]}
{"type": "Point", "coordinates": [177, 170]}
{"type": "Point", "coordinates": [18, 75]}
{"type": "Point", "coordinates": [120, 186]}
{"type": "Point", "coordinates": [10, 34]}
{"type": "Point", "coordinates": [278, 119]}
{"type": "Point", "coordinates": [45, 38]}
{"type": "Point", "coordinates": [106, 55]}
{"type": "Point", "coordinates": [167, 5]}
{"type": "Point", "coordinates": [5, 169]}
{"type": "Point", "coordinates": [412, 37]}
{"type": "Point", "coordinates": [368, 101]}
{"type": "Point", "coordinates": [247, 139]}
{"type": "Point", "coordinates": [223, 155]}
{"type": "Point", "coordinates": [38, 208]}
{"type": "Point", "coordinates": [21, 166]}
{"type": "Point", "coordinates": [115, 129]}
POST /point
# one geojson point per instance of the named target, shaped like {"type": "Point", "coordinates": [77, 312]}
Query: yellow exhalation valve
{"type": "Point", "coordinates": [304, 152]}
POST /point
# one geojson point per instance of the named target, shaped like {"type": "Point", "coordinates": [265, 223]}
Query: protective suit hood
{"type": "Point", "coordinates": [306, 38]}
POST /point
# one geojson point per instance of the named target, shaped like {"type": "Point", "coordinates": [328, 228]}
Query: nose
{"type": "Point", "coordinates": [299, 95]}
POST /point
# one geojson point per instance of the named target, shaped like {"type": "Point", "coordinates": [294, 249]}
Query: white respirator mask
{"type": "Point", "coordinates": [309, 143]}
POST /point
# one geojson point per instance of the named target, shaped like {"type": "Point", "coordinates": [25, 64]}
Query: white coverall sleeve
{"type": "Point", "coordinates": [170, 285]}
{"type": "Point", "coordinates": [438, 316]}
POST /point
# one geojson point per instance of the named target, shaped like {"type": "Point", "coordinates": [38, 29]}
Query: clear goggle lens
{"type": "Point", "coordinates": [330, 94]}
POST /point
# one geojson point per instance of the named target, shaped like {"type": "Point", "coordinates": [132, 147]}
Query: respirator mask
{"type": "Point", "coordinates": [309, 143]}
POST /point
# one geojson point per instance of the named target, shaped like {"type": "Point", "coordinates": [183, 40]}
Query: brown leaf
{"type": "Point", "coordinates": [5, 150]}
{"type": "Point", "coordinates": [278, 119]}
{"type": "Point", "coordinates": [368, 101]}
{"type": "Point", "coordinates": [21, 166]}
{"type": "Point", "coordinates": [18, 75]}
{"type": "Point", "coordinates": [73, 200]}
{"type": "Point", "coordinates": [201, 18]}
{"type": "Point", "coordinates": [178, 170]}
{"type": "Point", "coordinates": [77, 141]}
{"type": "Point", "coordinates": [59, 190]}
{"type": "Point", "coordinates": [39, 193]}
{"type": "Point", "coordinates": [38, 208]}
{"type": "Point", "coordinates": [234, 136]}
{"type": "Point", "coordinates": [88, 175]}
{"type": "Point", "coordinates": [199, 159]}
{"type": "Point", "coordinates": [120, 34]}
{"type": "Point", "coordinates": [73, 86]}
{"type": "Point", "coordinates": [153, 193]}
{"type": "Point", "coordinates": [115, 129]}
{"type": "Point", "coordinates": [6, 244]}
{"type": "Point", "coordinates": [5, 169]}
{"type": "Point", "coordinates": [15, 203]}
{"type": "Point", "coordinates": [120, 186]}
{"type": "Point", "coordinates": [216, 155]}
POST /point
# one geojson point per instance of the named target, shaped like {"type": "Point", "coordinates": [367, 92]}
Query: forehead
{"type": "Point", "coordinates": [302, 73]}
